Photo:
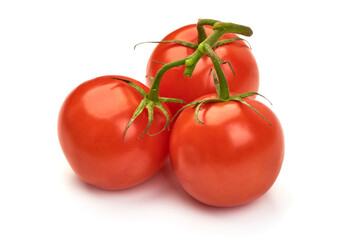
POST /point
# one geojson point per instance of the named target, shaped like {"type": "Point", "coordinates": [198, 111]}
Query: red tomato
{"type": "Point", "coordinates": [233, 159]}
{"type": "Point", "coordinates": [175, 85]}
{"type": "Point", "coordinates": [91, 125]}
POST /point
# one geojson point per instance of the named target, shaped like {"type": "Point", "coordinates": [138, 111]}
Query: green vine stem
{"type": "Point", "coordinates": [155, 86]}
{"type": "Point", "coordinates": [220, 28]}
{"type": "Point", "coordinates": [204, 46]}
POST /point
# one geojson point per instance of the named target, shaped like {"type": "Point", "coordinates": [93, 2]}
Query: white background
{"type": "Point", "coordinates": [308, 56]}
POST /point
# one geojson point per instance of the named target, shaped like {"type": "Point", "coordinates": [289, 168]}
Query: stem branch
{"type": "Point", "coordinates": [201, 30]}
{"type": "Point", "coordinates": [197, 55]}
{"type": "Point", "coordinates": [155, 86]}
{"type": "Point", "coordinates": [224, 87]}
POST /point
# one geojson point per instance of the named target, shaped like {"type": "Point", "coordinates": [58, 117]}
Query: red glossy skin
{"type": "Point", "coordinates": [91, 125]}
{"type": "Point", "coordinates": [175, 85]}
{"type": "Point", "coordinates": [233, 159]}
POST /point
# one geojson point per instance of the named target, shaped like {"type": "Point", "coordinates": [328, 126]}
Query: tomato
{"type": "Point", "coordinates": [91, 126]}
{"type": "Point", "coordinates": [233, 159]}
{"type": "Point", "coordinates": [175, 85]}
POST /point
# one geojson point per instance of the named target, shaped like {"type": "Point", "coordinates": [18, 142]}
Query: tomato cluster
{"type": "Point", "coordinates": [226, 148]}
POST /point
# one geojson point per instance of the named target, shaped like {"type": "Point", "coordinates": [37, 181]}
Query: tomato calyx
{"type": "Point", "coordinates": [238, 97]}
{"type": "Point", "coordinates": [152, 100]}
{"type": "Point", "coordinates": [149, 105]}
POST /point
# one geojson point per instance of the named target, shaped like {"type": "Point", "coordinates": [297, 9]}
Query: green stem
{"type": "Point", "coordinates": [213, 38]}
{"type": "Point", "coordinates": [201, 30]}
{"type": "Point", "coordinates": [201, 33]}
{"type": "Point", "coordinates": [210, 22]}
{"type": "Point", "coordinates": [233, 28]}
{"type": "Point", "coordinates": [224, 87]}
{"type": "Point", "coordinates": [197, 55]}
{"type": "Point", "coordinates": [155, 86]}
{"type": "Point", "coordinates": [191, 62]}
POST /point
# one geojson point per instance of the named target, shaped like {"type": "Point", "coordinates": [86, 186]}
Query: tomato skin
{"type": "Point", "coordinates": [175, 85]}
{"type": "Point", "coordinates": [91, 125]}
{"type": "Point", "coordinates": [231, 160]}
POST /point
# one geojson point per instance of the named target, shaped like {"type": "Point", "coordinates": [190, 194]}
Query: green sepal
{"type": "Point", "coordinates": [166, 114]}
{"type": "Point", "coordinates": [210, 52]}
{"type": "Point", "coordinates": [158, 62]}
{"type": "Point", "coordinates": [197, 105]}
{"type": "Point", "coordinates": [196, 115]}
{"type": "Point", "coordinates": [240, 98]}
{"type": "Point", "coordinates": [200, 103]}
{"type": "Point", "coordinates": [187, 105]}
{"type": "Point", "coordinates": [228, 62]}
{"type": "Point", "coordinates": [247, 104]}
{"type": "Point", "coordinates": [150, 109]}
{"type": "Point", "coordinates": [137, 112]}
{"type": "Point", "coordinates": [184, 43]}
{"type": "Point", "coordinates": [133, 85]}
{"type": "Point", "coordinates": [229, 40]}
{"type": "Point", "coordinates": [172, 100]}
{"type": "Point", "coordinates": [244, 95]}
